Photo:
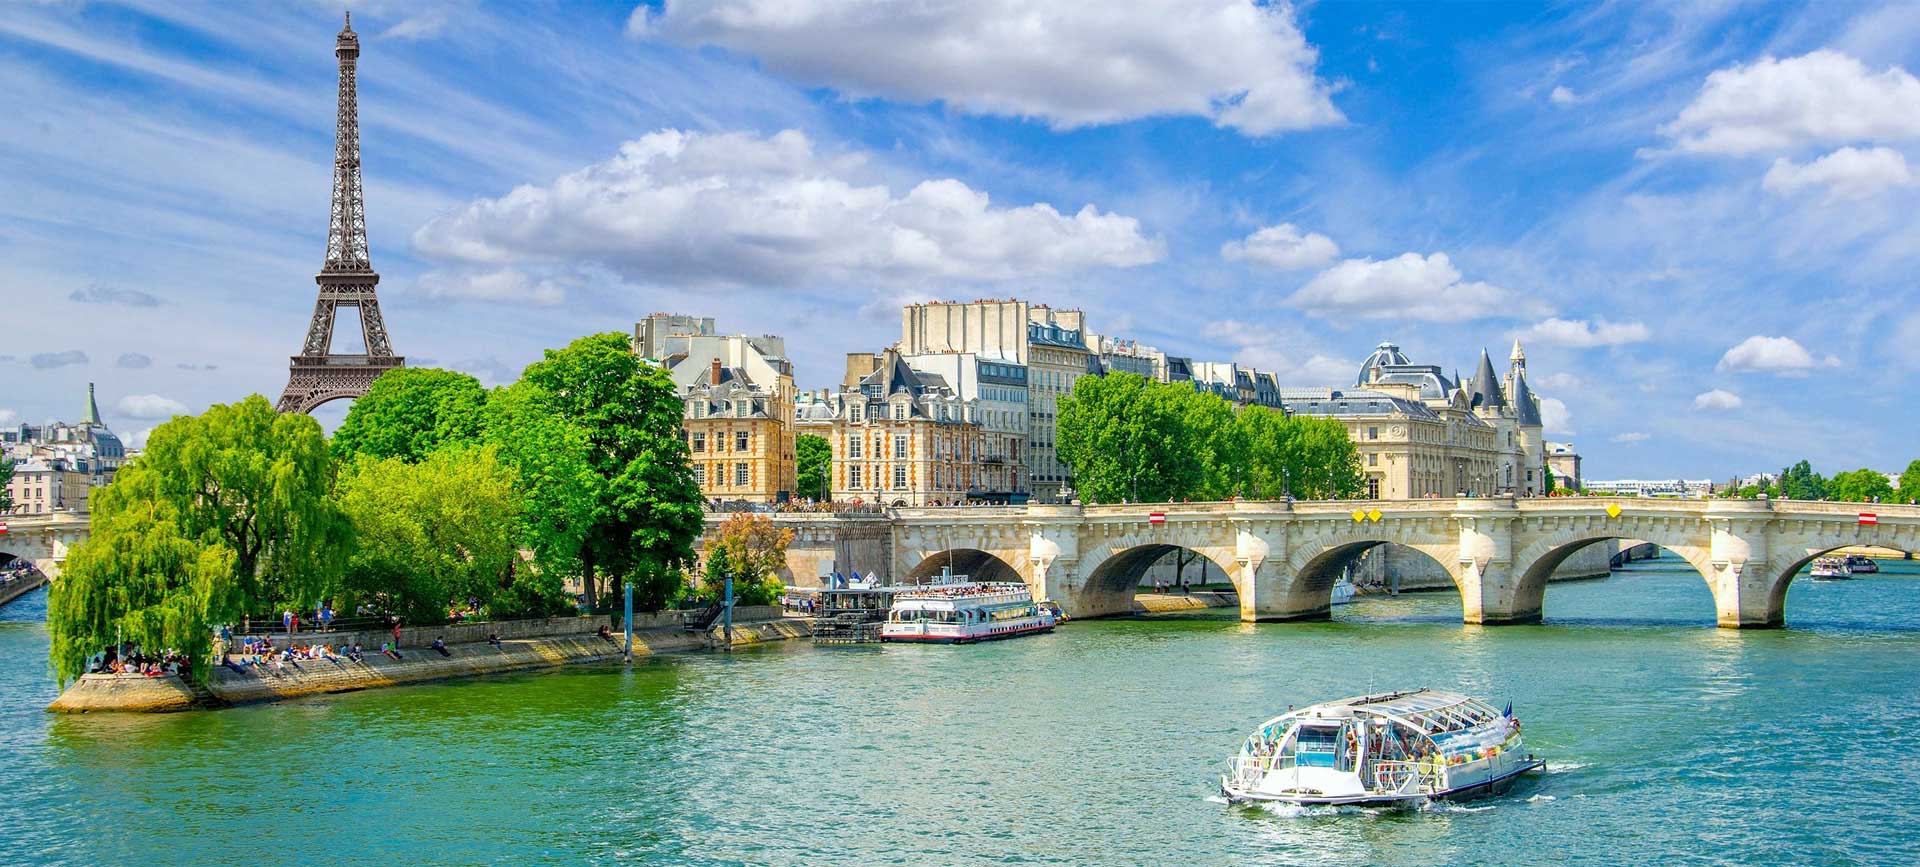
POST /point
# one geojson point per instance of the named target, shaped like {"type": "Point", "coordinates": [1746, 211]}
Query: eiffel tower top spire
{"type": "Point", "coordinates": [347, 231]}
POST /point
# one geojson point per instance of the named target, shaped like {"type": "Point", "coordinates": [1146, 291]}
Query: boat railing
{"type": "Point", "coordinates": [1402, 777]}
{"type": "Point", "coordinates": [1245, 771]}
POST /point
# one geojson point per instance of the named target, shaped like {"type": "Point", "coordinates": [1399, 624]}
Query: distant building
{"type": "Point", "coordinates": [900, 436]}
{"type": "Point", "coordinates": [738, 396]}
{"type": "Point", "coordinates": [996, 391]}
{"type": "Point", "coordinates": [56, 464]}
{"type": "Point", "coordinates": [1673, 488]}
{"type": "Point", "coordinates": [1563, 461]}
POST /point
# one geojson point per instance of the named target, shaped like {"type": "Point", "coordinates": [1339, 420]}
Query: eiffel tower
{"type": "Point", "coordinates": [347, 279]}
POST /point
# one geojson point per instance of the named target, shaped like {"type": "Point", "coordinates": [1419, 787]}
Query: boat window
{"type": "Point", "coordinates": [1317, 747]}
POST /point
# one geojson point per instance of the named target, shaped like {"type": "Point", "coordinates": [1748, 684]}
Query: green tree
{"type": "Point", "coordinates": [1800, 482]}
{"type": "Point", "coordinates": [1550, 483]}
{"type": "Point", "coordinates": [440, 531]}
{"type": "Point", "coordinates": [1126, 439]}
{"type": "Point", "coordinates": [225, 513]}
{"type": "Point", "coordinates": [558, 487]}
{"type": "Point", "coordinates": [815, 457]}
{"type": "Point", "coordinates": [6, 493]}
{"type": "Point", "coordinates": [1267, 437]}
{"type": "Point", "coordinates": [751, 550]}
{"type": "Point", "coordinates": [647, 511]}
{"type": "Point", "coordinates": [1211, 430]}
{"type": "Point", "coordinates": [1323, 461]}
{"type": "Point", "coordinates": [1910, 483]}
{"type": "Point", "coordinates": [411, 411]}
{"type": "Point", "coordinates": [1860, 486]}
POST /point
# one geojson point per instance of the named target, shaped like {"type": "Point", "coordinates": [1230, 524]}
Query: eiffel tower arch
{"type": "Point", "coordinates": [318, 374]}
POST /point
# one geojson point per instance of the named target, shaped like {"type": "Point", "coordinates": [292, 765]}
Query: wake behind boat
{"type": "Point", "coordinates": [1397, 748]}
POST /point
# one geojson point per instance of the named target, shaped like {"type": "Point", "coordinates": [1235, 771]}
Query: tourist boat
{"type": "Point", "coordinates": [1831, 569]}
{"type": "Point", "coordinates": [1343, 591]}
{"type": "Point", "coordinates": [957, 610]}
{"type": "Point", "coordinates": [1398, 748]}
{"type": "Point", "coordinates": [1860, 565]}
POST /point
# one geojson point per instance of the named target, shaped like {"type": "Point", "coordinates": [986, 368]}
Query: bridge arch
{"type": "Point", "coordinates": [1317, 564]}
{"type": "Point", "coordinates": [972, 562]}
{"type": "Point", "coordinates": [1116, 573]}
{"type": "Point", "coordinates": [1782, 581]}
{"type": "Point", "coordinates": [1534, 564]}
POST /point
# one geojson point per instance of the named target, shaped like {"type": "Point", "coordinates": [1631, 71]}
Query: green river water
{"type": "Point", "coordinates": [1669, 741]}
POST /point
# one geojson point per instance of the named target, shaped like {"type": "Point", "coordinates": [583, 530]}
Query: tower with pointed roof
{"type": "Point", "coordinates": [347, 279]}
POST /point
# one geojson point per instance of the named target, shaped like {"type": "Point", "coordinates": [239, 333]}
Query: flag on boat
{"type": "Point", "coordinates": [1869, 518]}
{"type": "Point", "coordinates": [1508, 713]}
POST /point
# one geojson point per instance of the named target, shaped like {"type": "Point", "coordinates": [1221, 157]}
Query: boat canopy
{"type": "Point", "coordinates": [1429, 711]}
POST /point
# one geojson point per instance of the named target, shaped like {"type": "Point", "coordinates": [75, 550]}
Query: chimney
{"type": "Point", "coordinates": [716, 371]}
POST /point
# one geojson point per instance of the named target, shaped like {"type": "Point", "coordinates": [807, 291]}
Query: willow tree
{"type": "Point", "coordinates": [224, 513]}
{"type": "Point", "coordinates": [647, 510]}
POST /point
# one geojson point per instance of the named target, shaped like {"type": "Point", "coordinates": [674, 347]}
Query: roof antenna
{"type": "Point", "coordinates": [349, 19]}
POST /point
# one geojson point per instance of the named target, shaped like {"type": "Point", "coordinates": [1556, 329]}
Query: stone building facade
{"type": "Point", "coordinates": [55, 465]}
{"type": "Point", "coordinates": [900, 436]}
{"type": "Point", "coordinates": [738, 398]}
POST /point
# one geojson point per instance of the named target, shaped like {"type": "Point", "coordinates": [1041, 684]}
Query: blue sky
{"type": "Point", "coordinates": [1696, 216]}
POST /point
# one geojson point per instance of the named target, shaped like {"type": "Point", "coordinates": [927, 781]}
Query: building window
{"type": "Point", "coordinates": [1373, 488]}
{"type": "Point", "coordinates": [740, 441]}
{"type": "Point", "coordinates": [699, 442]}
{"type": "Point", "coordinates": [899, 412]}
{"type": "Point", "coordinates": [1373, 433]}
{"type": "Point", "coordinates": [700, 475]}
{"type": "Point", "coordinates": [741, 474]}
{"type": "Point", "coordinates": [899, 477]}
{"type": "Point", "coordinates": [853, 478]}
{"type": "Point", "coordinates": [854, 444]}
{"type": "Point", "coordinates": [1373, 460]}
{"type": "Point", "coordinates": [900, 446]}
{"type": "Point", "coordinates": [854, 412]}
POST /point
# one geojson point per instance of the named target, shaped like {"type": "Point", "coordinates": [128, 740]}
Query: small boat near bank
{"type": "Point", "coordinates": [1832, 569]}
{"type": "Point", "coordinates": [1396, 748]}
{"type": "Point", "coordinates": [1343, 591]}
{"type": "Point", "coordinates": [954, 609]}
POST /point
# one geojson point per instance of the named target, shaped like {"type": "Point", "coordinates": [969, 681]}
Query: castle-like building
{"type": "Point", "coordinates": [1422, 433]}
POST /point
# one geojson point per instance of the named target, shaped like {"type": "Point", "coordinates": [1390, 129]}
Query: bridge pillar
{"type": "Point", "coordinates": [1749, 591]}
{"type": "Point", "coordinates": [1491, 591]}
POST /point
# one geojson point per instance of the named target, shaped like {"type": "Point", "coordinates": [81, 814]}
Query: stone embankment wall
{"type": "Point", "coordinates": [18, 587]}
{"type": "Point", "coordinates": [1162, 603]}
{"type": "Point", "coordinates": [536, 644]}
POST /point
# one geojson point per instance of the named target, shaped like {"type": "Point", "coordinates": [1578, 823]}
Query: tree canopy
{"type": "Point", "coordinates": [751, 550]}
{"type": "Point", "coordinates": [1129, 438]}
{"type": "Point", "coordinates": [815, 458]}
{"type": "Point", "coordinates": [1800, 482]}
{"type": "Point", "coordinates": [1860, 486]}
{"type": "Point", "coordinates": [440, 531]}
{"type": "Point", "coordinates": [1910, 483]}
{"type": "Point", "coordinates": [411, 411]}
{"type": "Point", "coordinates": [648, 511]}
{"type": "Point", "coordinates": [6, 492]}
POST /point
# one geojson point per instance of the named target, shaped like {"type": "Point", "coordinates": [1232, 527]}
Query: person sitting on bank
{"type": "Point", "coordinates": [493, 638]}
{"type": "Point", "coordinates": [605, 632]}
{"type": "Point", "coordinates": [353, 651]}
{"type": "Point", "coordinates": [389, 650]}
{"type": "Point", "coordinates": [439, 646]}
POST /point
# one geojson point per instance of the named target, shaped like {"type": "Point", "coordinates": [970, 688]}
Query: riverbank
{"type": "Point", "coordinates": [532, 644]}
{"type": "Point", "coordinates": [1167, 603]}
{"type": "Point", "coordinates": [15, 587]}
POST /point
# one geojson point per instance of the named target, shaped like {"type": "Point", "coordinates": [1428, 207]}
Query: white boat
{"type": "Point", "coordinates": [1398, 748]}
{"type": "Point", "coordinates": [1859, 565]}
{"type": "Point", "coordinates": [1343, 591]}
{"type": "Point", "coordinates": [1831, 569]}
{"type": "Point", "coordinates": [956, 610]}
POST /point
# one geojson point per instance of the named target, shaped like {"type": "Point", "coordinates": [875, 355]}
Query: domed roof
{"type": "Point", "coordinates": [1383, 355]}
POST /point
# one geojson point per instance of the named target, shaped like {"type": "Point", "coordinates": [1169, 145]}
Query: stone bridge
{"type": "Point", "coordinates": [1284, 557]}
{"type": "Point", "coordinates": [42, 539]}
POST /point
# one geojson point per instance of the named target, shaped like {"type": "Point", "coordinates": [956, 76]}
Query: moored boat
{"type": "Point", "coordinates": [1831, 569]}
{"type": "Point", "coordinates": [1396, 748]}
{"type": "Point", "coordinates": [1343, 591]}
{"type": "Point", "coordinates": [957, 610]}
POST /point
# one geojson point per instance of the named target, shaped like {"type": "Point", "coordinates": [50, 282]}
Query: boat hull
{"type": "Point", "coordinates": [965, 639]}
{"type": "Point", "coordinates": [1499, 785]}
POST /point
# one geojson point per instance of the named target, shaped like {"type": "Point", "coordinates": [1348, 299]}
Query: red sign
{"type": "Point", "coordinates": [1869, 518]}
{"type": "Point", "coordinates": [1157, 518]}
{"type": "Point", "coordinates": [3, 526]}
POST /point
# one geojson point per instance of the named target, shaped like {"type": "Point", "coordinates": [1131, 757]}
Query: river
{"type": "Point", "coordinates": [1668, 740]}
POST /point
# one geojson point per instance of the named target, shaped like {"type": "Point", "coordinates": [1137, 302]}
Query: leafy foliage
{"type": "Point", "coordinates": [647, 509]}
{"type": "Point", "coordinates": [429, 533]}
{"type": "Point", "coordinates": [225, 513]}
{"type": "Point", "coordinates": [751, 550]}
{"type": "Point", "coordinates": [1860, 486]}
{"type": "Point", "coordinates": [549, 454]}
{"type": "Point", "coordinates": [1910, 483]}
{"type": "Point", "coordinates": [1800, 482]}
{"type": "Point", "coordinates": [411, 411]}
{"type": "Point", "coordinates": [1128, 438]}
{"type": "Point", "coordinates": [6, 493]}
{"type": "Point", "coordinates": [815, 458]}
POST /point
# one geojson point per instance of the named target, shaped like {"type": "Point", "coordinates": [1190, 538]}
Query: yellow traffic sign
{"type": "Point", "coordinates": [1374, 516]}
{"type": "Point", "coordinates": [1613, 510]}
{"type": "Point", "coordinates": [1359, 515]}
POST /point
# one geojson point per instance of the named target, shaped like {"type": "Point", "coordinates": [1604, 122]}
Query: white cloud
{"type": "Point", "coordinates": [52, 360]}
{"type": "Point", "coordinates": [1069, 62]}
{"type": "Point", "coordinates": [505, 284]}
{"type": "Point", "coordinates": [139, 439]}
{"type": "Point", "coordinates": [97, 294]}
{"type": "Point", "coordinates": [1255, 346]}
{"type": "Point", "coordinates": [1562, 96]}
{"type": "Point", "coordinates": [1561, 380]}
{"type": "Point", "coordinates": [1824, 97]}
{"type": "Point", "coordinates": [1780, 355]}
{"type": "Point", "coordinates": [1906, 340]}
{"type": "Point", "coordinates": [8, 417]}
{"type": "Point", "coordinates": [1408, 286]}
{"type": "Point", "coordinates": [1846, 174]}
{"type": "Point", "coordinates": [1718, 398]}
{"type": "Point", "coordinates": [1581, 334]}
{"type": "Point", "coordinates": [1282, 247]}
{"type": "Point", "coordinates": [739, 209]}
{"type": "Point", "coordinates": [150, 406]}
{"type": "Point", "coordinates": [1554, 416]}
{"type": "Point", "coordinates": [133, 361]}
{"type": "Point", "coordinates": [1631, 437]}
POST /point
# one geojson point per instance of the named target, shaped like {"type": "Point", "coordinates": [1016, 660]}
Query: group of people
{"type": "Point", "coordinates": [138, 662]}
